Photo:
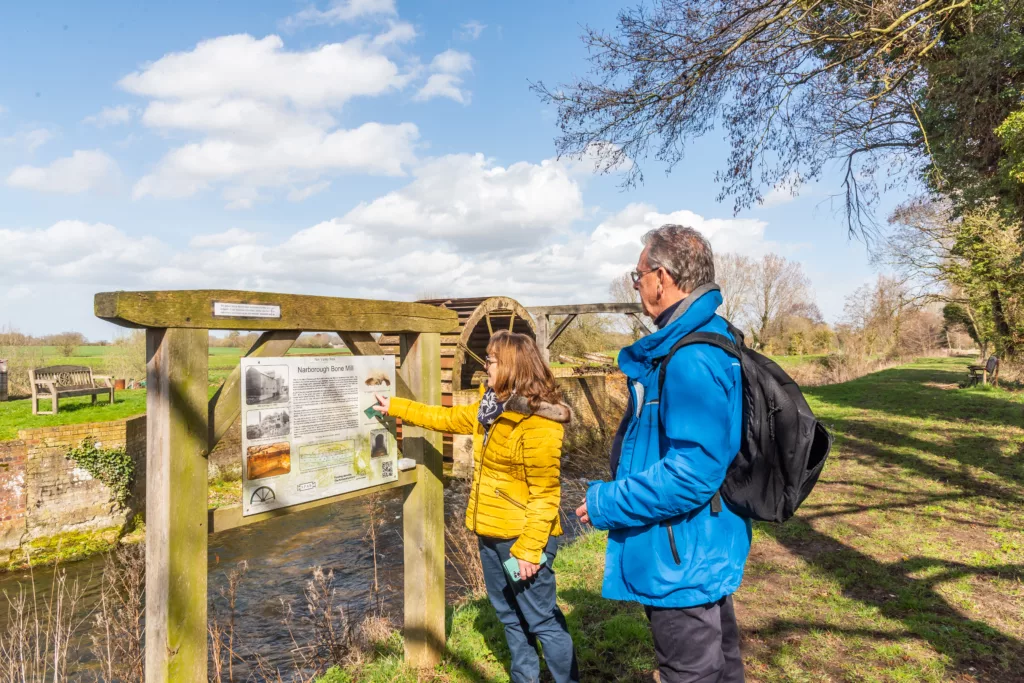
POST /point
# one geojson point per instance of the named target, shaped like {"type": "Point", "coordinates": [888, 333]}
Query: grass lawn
{"type": "Point", "coordinates": [787, 362]}
{"type": "Point", "coordinates": [905, 564]}
{"type": "Point", "coordinates": [17, 414]}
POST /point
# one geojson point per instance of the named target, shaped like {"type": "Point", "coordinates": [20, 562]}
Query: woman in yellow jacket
{"type": "Point", "coordinates": [517, 428]}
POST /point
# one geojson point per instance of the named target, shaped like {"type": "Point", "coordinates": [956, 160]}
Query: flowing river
{"type": "Point", "coordinates": [280, 555]}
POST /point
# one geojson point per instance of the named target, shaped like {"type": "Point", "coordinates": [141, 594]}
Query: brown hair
{"type": "Point", "coordinates": [521, 370]}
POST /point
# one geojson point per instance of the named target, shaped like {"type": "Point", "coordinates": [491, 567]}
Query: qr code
{"type": "Point", "coordinates": [387, 469]}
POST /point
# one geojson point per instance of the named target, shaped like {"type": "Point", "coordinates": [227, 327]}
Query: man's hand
{"type": "Point", "coordinates": [581, 512]}
{"type": "Point", "coordinates": [527, 570]}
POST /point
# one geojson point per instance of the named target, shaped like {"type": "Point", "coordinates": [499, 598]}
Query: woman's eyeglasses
{"type": "Point", "coordinates": [488, 361]}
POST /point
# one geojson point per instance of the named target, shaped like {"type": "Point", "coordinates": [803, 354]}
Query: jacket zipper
{"type": "Point", "coordinates": [480, 472]}
{"type": "Point", "coordinates": [502, 494]}
{"type": "Point", "coordinates": [671, 540]}
{"type": "Point", "coordinates": [667, 523]}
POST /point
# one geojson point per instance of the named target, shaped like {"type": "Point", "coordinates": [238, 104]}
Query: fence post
{"type": "Point", "coordinates": [176, 491]}
{"type": "Point", "coordinates": [423, 509]}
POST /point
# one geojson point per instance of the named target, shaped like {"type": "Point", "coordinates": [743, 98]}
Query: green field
{"type": "Point", "coordinates": [15, 415]}
{"type": "Point", "coordinates": [905, 564]}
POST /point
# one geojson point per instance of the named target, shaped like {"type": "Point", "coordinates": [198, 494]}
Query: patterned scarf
{"type": "Point", "coordinates": [490, 408]}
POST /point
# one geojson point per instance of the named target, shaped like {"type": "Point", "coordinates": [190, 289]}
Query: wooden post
{"type": "Point", "coordinates": [543, 331]}
{"type": "Point", "coordinates": [423, 509]}
{"type": "Point", "coordinates": [176, 475]}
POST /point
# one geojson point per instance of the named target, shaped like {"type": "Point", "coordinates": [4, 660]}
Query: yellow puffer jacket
{"type": "Point", "coordinates": [516, 486]}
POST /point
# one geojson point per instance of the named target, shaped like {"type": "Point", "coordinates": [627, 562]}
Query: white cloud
{"type": "Point", "coordinates": [112, 116]}
{"type": "Point", "coordinates": [31, 139]}
{"type": "Point", "coordinates": [228, 238]}
{"type": "Point", "coordinates": [339, 11]}
{"type": "Point", "coordinates": [471, 30]}
{"type": "Point", "coordinates": [463, 226]}
{"type": "Point", "coordinates": [19, 292]}
{"type": "Point", "coordinates": [443, 85]}
{"type": "Point", "coordinates": [83, 171]}
{"type": "Point", "coordinates": [304, 193]}
{"type": "Point", "coordinates": [446, 81]}
{"type": "Point", "coordinates": [373, 148]}
{"type": "Point", "coordinates": [398, 32]}
{"type": "Point", "coordinates": [265, 115]}
{"type": "Point", "coordinates": [242, 197]}
{"type": "Point", "coordinates": [243, 67]}
{"type": "Point", "coordinates": [469, 201]}
{"type": "Point", "coordinates": [452, 62]}
{"type": "Point", "coordinates": [76, 251]}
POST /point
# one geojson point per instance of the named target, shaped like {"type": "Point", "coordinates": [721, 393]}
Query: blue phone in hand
{"type": "Point", "coordinates": [512, 567]}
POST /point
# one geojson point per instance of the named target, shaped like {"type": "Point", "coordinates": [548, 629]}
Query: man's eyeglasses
{"type": "Point", "coordinates": [636, 275]}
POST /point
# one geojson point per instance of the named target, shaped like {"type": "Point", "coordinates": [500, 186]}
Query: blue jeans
{"type": "Point", "coordinates": [529, 613]}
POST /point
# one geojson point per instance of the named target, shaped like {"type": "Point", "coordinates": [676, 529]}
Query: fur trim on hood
{"type": "Point", "coordinates": [556, 412]}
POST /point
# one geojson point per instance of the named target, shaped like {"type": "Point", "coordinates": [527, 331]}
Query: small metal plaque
{"type": "Point", "coordinates": [227, 309]}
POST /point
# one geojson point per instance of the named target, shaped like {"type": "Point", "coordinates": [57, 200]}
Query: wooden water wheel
{"type": "Point", "coordinates": [462, 354]}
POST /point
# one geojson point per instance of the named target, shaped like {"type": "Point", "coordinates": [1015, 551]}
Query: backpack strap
{"type": "Point", "coordinates": [720, 341]}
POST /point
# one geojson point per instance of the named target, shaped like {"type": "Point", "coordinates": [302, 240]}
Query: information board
{"type": "Point", "coordinates": [308, 431]}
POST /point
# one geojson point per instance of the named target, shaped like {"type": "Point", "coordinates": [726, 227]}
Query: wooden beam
{"type": "Point", "coordinates": [176, 490]}
{"type": "Point", "coordinates": [640, 321]}
{"type": "Point", "coordinates": [577, 309]}
{"type": "Point", "coordinates": [561, 328]}
{"type": "Point", "coordinates": [195, 309]}
{"type": "Point", "coordinates": [543, 327]}
{"type": "Point", "coordinates": [226, 404]}
{"type": "Point", "coordinates": [231, 517]}
{"type": "Point", "coordinates": [423, 510]}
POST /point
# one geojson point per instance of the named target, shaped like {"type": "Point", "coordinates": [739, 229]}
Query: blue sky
{"type": "Point", "coordinates": [371, 148]}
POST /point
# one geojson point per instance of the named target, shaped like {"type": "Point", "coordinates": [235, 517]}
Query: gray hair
{"type": "Point", "coordinates": [683, 252]}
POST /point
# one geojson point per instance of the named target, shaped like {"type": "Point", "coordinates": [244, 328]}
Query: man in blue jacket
{"type": "Point", "coordinates": [669, 548]}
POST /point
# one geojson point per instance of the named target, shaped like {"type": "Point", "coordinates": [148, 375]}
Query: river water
{"type": "Point", "coordinates": [280, 555]}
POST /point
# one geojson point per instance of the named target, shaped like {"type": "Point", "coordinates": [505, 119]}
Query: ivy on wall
{"type": "Point", "coordinates": [112, 466]}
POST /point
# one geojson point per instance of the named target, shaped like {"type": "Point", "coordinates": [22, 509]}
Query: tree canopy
{"type": "Point", "coordinates": [894, 90]}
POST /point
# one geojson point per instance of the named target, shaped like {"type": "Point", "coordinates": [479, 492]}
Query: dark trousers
{"type": "Point", "coordinates": [529, 613]}
{"type": "Point", "coordinates": [697, 644]}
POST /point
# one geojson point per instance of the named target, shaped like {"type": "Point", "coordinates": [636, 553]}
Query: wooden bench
{"type": "Point", "coordinates": [60, 381]}
{"type": "Point", "coordinates": [986, 374]}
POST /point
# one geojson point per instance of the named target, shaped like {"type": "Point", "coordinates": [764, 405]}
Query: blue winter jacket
{"type": "Point", "coordinates": [668, 472]}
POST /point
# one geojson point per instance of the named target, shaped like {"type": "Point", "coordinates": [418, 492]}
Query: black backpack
{"type": "Point", "coordinates": [783, 447]}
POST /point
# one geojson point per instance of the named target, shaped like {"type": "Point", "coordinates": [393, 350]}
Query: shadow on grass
{"type": "Point", "coordinates": [865, 441]}
{"type": "Point", "coordinates": [904, 391]}
{"type": "Point", "coordinates": [897, 595]}
{"type": "Point", "coordinates": [613, 641]}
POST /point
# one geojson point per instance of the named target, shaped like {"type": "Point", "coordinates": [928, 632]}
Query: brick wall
{"type": "Point", "coordinates": [13, 496]}
{"type": "Point", "coordinates": [43, 494]}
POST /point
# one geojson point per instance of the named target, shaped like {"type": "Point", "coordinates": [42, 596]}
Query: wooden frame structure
{"type": "Point", "coordinates": [183, 427]}
{"type": "Point", "coordinates": [542, 316]}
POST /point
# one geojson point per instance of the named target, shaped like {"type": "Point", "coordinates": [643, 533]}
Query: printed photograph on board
{"type": "Point", "coordinates": [265, 385]}
{"type": "Point", "coordinates": [379, 443]}
{"type": "Point", "coordinates": [271, 460]}
{"type": "Point", "coordinates": [267, 424]}
{"type": "Point", "coordinates": [377, 378]}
